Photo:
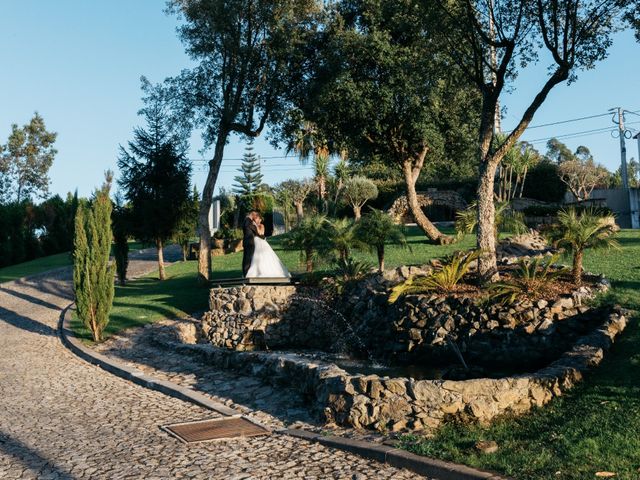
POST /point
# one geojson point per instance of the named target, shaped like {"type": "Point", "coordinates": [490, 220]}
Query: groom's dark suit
{"type": "Point", "coordinates": [249, 233]}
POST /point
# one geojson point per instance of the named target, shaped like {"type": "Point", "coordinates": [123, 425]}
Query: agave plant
{"type": "Point", "coordinates": [530, 277]}
{"type": "Point", "coordinates": [577, 232]}
{"type": "Point", "coordinates": [444, 279]}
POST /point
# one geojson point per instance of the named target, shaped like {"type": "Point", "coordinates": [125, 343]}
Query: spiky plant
{"type": "Point", "coordinates": [577, 232]}
{"type": "Point", "coordinates": [529, 279]}
{"type": "Point", "coordinates": [349, 270]}
{"type": "Point", "coordinates": [445, 279]}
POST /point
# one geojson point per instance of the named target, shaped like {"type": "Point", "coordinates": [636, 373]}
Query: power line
{"type": "Point", "coordinates": [560, 122]}
{"type": "Point", "coordinates": [582, 133]}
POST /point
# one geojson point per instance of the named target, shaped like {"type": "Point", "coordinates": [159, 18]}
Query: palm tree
{"type": "Point", "coordinates": [306, 142]}
{"type": "Point", "coordinates": [377, 228]}
{"type": "Point", "coordinates": [343, 237]}
{"type": "Point", "coordinates": [507, 220]}
{"type": "Point", "coordinates": [310, 237]}
{"type": "Point", "coordinates": [578, 231]}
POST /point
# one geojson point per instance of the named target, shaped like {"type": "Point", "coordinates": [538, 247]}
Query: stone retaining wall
{"type": "Point", "coordinates": [400, 403]}
{"type": "Point", "coordinates": [413, 330]}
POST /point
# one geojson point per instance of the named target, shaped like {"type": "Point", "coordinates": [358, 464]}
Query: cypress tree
{"type": "Point", "coordinates": [251, 178]}
{"type": "Point", "coordinates": [92, 271]}
{"type": "Point", "coordinates": [121, 226]}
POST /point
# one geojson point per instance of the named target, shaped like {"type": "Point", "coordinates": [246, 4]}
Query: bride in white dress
{"type": "Point", "coordinates": [265, 263]}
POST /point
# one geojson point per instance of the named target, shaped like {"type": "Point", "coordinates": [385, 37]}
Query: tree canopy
{"type": "Point", "coordinates": [250, 56]}
{"type": "Point", "coordinates": [27, 158]}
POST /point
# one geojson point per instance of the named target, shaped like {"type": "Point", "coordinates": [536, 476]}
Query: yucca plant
{"type": "Point", "coordinates": [444, 279]}
{"type": "Point", "coordinates": [507, 220]}
{"type": "Point", "coordinates": [529, 278]}
{"type": "Point", "coordinates": [576, 232]}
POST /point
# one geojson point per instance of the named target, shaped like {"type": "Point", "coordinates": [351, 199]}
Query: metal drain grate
{"type": "Point", "coordinates": [215, 429]}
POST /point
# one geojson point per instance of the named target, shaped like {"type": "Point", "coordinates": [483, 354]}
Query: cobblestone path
{"type": "Point", "coordinates": [62, 418]}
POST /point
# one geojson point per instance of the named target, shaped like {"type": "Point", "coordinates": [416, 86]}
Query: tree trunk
{"type": "Point", "coordinates": [430, 230]}
{"type": "Point", "coordinates": [577, 267]}
{"type": "Point", "coordinates": [309, 260]}
{"type": "Point", "coordinates": [185, 249]}
{"type": "Point", "coordinates": [380, 250]}
{"type": "Point", "coordinates": [299, 211]}
{"type": "Point", "coordinates": [524, 177]}
{"type": "Point", "coordinates": [161, 274]}
{"type": "Point", "coordinates": [486, 240]}
{"type": "Point", "coordinates": [204, 256]}
{"type": "Point", "coordinates": [357, 212]}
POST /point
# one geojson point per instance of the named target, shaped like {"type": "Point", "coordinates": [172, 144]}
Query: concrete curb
{"type": "Point", "coordinates": [431, 468]}
{"type": "Point", "coordinates": [428, 467]}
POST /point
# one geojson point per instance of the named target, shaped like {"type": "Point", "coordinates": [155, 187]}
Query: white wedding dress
{"type": "Point", "coordinates": [265, 263]}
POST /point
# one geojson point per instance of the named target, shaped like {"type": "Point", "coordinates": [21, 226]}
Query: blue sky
{"type": "Point", "coordinates": [78, 64]}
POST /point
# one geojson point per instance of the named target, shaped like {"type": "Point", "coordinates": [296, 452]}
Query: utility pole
{"type": "Point", "coordinates": [632, 195]}
{"type": "Point", "coordinates": [623, 148]}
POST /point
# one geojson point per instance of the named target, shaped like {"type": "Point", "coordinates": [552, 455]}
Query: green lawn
{"type": "Point", "coordinates": [596, 427]}
{"type": "Point", "coordinates": [41, 265]}
{"type": "Point", "coordinates": [33, 267]}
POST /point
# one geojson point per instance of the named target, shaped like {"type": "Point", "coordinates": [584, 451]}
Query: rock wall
{"type": "Point", "coordinates": [400, 403]}
{"type": "Point", "coordinates": [238, 317]}
{"type": "Point", "coordinates": [416, 329]}
{"type": "Point", "coordinates": [399, 209]}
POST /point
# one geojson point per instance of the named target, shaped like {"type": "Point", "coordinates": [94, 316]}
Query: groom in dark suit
{"type": "Point", "coordinates": [249, 233]}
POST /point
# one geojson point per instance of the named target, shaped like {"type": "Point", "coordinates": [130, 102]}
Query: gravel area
{"type": "Point", "coordinates": [62, 418]}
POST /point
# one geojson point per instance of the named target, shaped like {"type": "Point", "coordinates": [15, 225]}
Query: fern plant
{"type": "Point", "coordinates": [444, 279]}
{"type": "Point", "coordinates": [530, 277]}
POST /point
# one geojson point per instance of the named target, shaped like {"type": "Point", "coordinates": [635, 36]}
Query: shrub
{"type": "Point", "coordinates": [348, 271]}
{"type": "Point", "coordinates": [543, 183]}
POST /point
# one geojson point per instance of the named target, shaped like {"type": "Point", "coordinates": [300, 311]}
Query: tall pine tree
{"type": "Point", "coordinates": [155, 174]}
{"type": "Point", "coordinates": [251, 178]}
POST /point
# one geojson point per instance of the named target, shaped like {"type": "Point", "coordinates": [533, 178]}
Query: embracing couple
{"type": "Point", "coordinates": [258, 259]}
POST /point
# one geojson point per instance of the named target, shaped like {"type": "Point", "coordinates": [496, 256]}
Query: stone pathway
{"type": "Point", "coordinates": [62, 418]}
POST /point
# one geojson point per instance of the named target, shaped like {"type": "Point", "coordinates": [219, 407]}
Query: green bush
{"type": "Point", "coordinates": [543, 183]}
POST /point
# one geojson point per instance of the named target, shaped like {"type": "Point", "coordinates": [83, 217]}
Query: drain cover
{"type": "Point", "coordinates": [215, 429]}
